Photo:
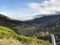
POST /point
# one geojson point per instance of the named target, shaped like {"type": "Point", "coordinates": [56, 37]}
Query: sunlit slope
{"type": "Point", "coordinates": [9, 37]}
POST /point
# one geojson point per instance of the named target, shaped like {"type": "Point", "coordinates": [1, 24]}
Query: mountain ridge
{"type": "Point", "coordinates": [45, 19]}
{"type": "Point", "coordinates": [32, 28]}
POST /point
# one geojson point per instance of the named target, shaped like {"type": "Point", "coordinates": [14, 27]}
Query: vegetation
{"type": "Point", "coordinates": [24, 27]}
{"type": "Point", "coordinates": [18, 26]}
{"type": "Point", "coordinates": [6, 32]}
{"type": "Point", "coordinates": [50, 28]}
{"type": "Point", "coordinates": [9, 41]}
{"type": "Point", "coordinates": [9, 37]}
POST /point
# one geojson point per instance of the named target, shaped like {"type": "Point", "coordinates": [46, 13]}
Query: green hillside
{"type": "Point", "coordinates": [6, 32]}
{"type": "Point", "coordinates": [9, 37]}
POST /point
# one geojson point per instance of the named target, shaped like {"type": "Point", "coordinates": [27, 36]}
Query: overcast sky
{"type": "Point", "coordinates": [28, 9]}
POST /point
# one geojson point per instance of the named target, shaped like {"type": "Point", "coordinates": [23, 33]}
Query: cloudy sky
{"type": "Point", "coordinates": [28, 9]}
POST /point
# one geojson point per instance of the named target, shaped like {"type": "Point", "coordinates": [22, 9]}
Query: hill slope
{"type": "Point", "coordinates": [6, 34]}
{"type": "Point", "coordinates": [48, 28]}
{"type": "Point", "coordinates": [18, 26]}
{"type": "Point", "coordinates": [51, 25]}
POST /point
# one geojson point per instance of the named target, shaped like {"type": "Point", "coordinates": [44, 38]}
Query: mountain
{"type": "Point", "coordinates": [18, 26]}
{"type": "Point", "coordinates": [9, 36]}
{"type": "Point", "coordinates": [51, 26]}
{"type": "Point", "coordinates": [32, 27]}
{"type": "Point", "coordinates": [47, 25]}
{"type": "Point", "coordinates": [45, 19]}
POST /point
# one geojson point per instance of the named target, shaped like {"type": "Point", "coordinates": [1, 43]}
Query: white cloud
{"type": "Point", "coordinates": [3, 13]}
{"type": "Point", "coordinates": [46, 7]}
{"type": "Point", "coordinates": [17, 16]}
{"type": "Point", "coordinates": [24, 17]}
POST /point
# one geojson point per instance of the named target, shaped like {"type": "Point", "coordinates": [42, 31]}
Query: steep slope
{"type": "Point", "coordinates": [9, 37]}
{"type": "Point", "coordinates": [49, 28]}
{"type": "Point", "coordinates": [31, 28]}
{"type": "Point", "coordinates": [18, 26]}
{"type": "Point", "coordinates": [51, 25]}
{"type": "Point", "coordinates": [7, 32]}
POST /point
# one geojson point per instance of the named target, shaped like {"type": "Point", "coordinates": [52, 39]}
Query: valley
{"type": "Point", "coordinates": [40, 30]}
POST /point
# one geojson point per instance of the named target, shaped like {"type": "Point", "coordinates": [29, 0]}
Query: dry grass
{"type": "Point", "coordinates": [12, 41]}
{"type": "Point", "coordinates": [9, 41]}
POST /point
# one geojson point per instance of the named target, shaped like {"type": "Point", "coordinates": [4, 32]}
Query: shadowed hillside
{"type": "Point", "coordinates": [18, 26]}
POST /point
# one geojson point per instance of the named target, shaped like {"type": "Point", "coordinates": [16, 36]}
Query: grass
{"type": "Point", "coordinates": [12, 41]}
{"type": "Point", "coordinates": [9, 41]}
{"type": "Point", "coordinates": [7, 32]}
{"type": "Point", "coordinates": [9, 37]}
